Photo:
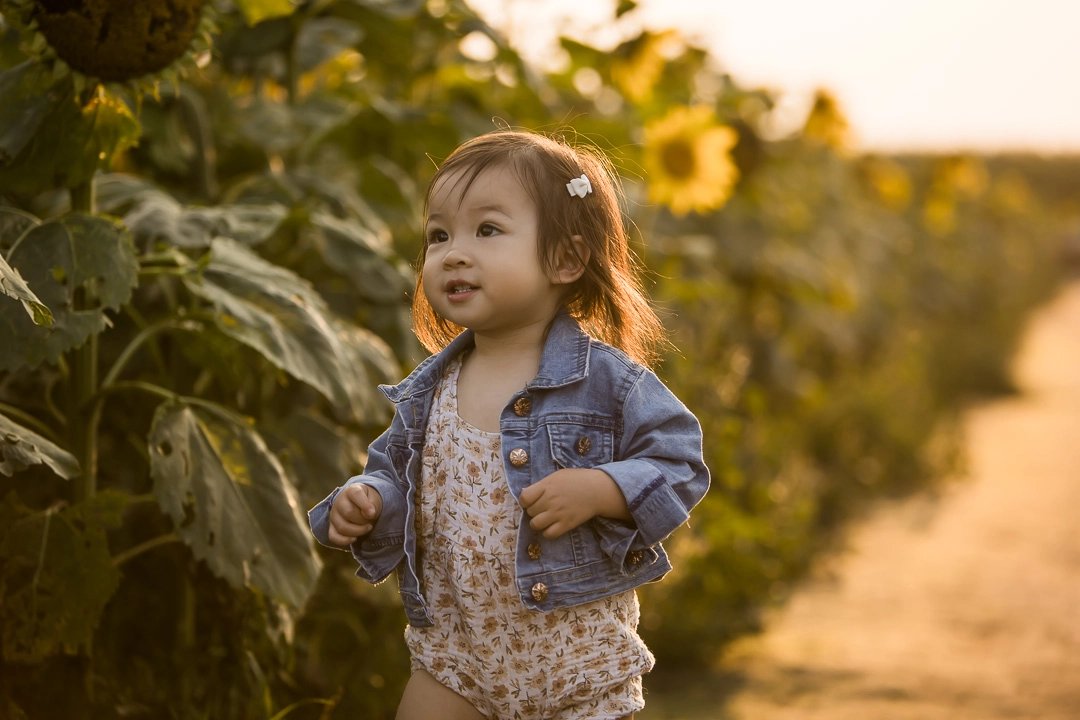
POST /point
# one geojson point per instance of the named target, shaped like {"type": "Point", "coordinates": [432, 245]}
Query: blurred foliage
{"type": "Point", "coordinates": [204, 278]}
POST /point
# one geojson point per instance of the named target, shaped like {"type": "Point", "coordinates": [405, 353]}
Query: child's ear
{"type": "Point", "coordinates": [571, 257]}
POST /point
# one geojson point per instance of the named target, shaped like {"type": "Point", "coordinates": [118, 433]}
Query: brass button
{"type": "Point", "coordinates": [518, 457]}
{"type": "Point", "coordinates": [522, 406]}
{"type": "Point", "coordinates": [583, 446]}
{"type": "Point", "coordinates": [635, 557]}
{"type": "Point", "coordinates": [539, 592]}
{"type": "Point", "coordinates": [533, 550]}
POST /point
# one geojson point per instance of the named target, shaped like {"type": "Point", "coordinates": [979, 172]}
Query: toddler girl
{"type": "Point", "coordinates": [533, 464]}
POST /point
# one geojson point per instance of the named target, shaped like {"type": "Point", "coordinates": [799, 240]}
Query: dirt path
{"type": "Point", "coordinates": [963, 608]}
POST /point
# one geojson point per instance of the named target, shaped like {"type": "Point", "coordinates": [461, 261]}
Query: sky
{"type": "Point", "coordinates": [940, 75]}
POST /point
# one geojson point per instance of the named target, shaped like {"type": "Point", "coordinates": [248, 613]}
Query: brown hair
{"type": "Point", "coordinates": [607, 300]}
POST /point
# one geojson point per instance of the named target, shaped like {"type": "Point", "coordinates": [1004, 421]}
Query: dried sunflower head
{"type": "Point", "coordinates": [139, 43]}
{"type": "Point", "coordinates": [117, 40]}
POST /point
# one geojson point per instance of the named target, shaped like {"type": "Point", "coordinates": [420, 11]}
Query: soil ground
{"type": "Point", "coordinates": [964, 606]}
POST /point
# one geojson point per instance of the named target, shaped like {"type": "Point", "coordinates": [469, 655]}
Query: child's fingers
{"type": "Point", "coordinates": [548, 525]}
{"type": "Point", "coordinates": [529, 496]}
{"type": "Point", "coordinates": [347, 528]}
{"type": "Point", "coordinates": [341, 539]}
{"type": "Point", "coordinates": [357, 494]}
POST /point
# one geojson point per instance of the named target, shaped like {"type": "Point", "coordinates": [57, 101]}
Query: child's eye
{"type": "Point", "coordinates": [436, 236]}
{"type": "Point", "coordinates": [487, 230]}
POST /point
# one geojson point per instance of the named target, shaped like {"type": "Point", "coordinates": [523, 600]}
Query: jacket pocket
{"type": "Point", "coordinates": [580, 445]}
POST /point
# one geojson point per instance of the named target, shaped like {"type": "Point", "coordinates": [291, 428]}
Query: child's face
{"type": "Point", "coordinates": [482, 270]}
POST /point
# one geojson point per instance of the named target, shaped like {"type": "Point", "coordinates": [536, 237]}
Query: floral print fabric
{"type": "Point", "coordinates": [509, 661]}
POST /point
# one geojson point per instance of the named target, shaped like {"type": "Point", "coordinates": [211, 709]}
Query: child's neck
{"type": "Point", "coordinates": [518, 346]}
{"type": "Point", "coordinates": [496, 369]}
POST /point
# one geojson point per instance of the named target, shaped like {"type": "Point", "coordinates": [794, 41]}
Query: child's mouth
{"type": "Point", "coordinates": [460, 291]}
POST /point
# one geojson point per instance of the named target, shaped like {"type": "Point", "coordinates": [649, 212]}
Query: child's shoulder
{"type": "Point", "coordinates": [603, 356]}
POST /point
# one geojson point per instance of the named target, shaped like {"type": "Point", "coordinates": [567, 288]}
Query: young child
{"type": "Point", "coordinates": [533, 464]}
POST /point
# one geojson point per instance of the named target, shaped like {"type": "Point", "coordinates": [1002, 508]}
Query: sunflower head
{"type": "Point", "coordinates": [117, 40]}
{"type": "Point", "coordinates": [688, 161]}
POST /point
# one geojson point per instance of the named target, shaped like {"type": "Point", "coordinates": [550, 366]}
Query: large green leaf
{"type": "Point", "coordinates": [12, 285]}
{"type": "Point", "coordinates": [71, 143]}
{"type": "Point", "coordinates": [158, 216]}
{"type": "Point", "coordinates": [152, 215]}
{"type": "Point", "coordinates": [56, 574]}
{"type": "Point", "coordinates": [20, 448]}
{"type": "Point", "coordinates": [14, 223]}
{"type": "Point", "coordinates": [320, 452]}
{"type": "Point", "coordinates": [58, 259]}
{"type": "Point", "coordinates": [232, 501]}
{"type": "Point", "coordinates": [361, 255]}
{"type": "Point", "coordinates": [25, 102]}
{"type": "Point", "coordinates": [117, 192]}
{"type": "Point", "coordinates": [278, 313]}
{"type": "Point", "coordinates": [373, 363]}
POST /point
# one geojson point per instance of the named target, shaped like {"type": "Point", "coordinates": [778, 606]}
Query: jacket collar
{"type": "Point", "coordinates": [565, 360]}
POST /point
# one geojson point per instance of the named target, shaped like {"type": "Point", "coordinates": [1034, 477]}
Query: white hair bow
{"type": "Point", "coordinates": [579, 186]}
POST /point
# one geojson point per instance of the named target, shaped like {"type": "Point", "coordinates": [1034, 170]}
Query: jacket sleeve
{"type": "Point", "coordinates": [382, 550]}
{"type": "Point", "coordinates": [659, 468]}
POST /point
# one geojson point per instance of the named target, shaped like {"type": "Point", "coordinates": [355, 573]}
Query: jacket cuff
{"type": "Point", "coordinates": [617, 538]}
{"type": "Point", "coordinates": [656, 509]}
{"type": "Point", "coordinates": [380, 551]}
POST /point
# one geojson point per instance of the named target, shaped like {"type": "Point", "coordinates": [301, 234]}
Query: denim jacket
{"type": "Point", "coordinates": [588, 406]}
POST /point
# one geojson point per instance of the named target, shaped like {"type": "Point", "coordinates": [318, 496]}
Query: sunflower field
{"type": "Point", "coordinates": [208, 210]}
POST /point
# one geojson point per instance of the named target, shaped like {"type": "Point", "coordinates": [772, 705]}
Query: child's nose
{"type": "Point", "coordinates": [456, 256]}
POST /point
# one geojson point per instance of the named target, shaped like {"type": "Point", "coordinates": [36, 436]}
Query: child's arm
{"type": "Point", "coordinates": [569, 497]}
{"type": "Point", "coordinates": [380, 548]}
{"type": "Point", "coordinates": [659, 476]}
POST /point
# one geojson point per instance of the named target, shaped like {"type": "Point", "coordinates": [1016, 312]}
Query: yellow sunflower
{"type": "Point", "coordinates": [826, 124]}
{"type": "Point", "coordinates": [688, 161]}
{"type": "Point", "coordinates": [637, 73]}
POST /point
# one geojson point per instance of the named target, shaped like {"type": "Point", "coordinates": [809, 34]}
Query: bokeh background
{"type": "Point", "coordinates": [208, 211]}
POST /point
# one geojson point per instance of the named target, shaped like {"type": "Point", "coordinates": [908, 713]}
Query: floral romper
{"type": "Point", "coordinates": [509, 661]}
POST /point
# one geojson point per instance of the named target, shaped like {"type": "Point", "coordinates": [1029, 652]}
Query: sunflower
{"type": "Point", "coordinates": [639, 63]}
{"type": "Point", "coordinates": [826, 124]}
{"type": "Point", "coordinates": [115, 41]}
{"type": "Point", "coordinates": [688, 161]}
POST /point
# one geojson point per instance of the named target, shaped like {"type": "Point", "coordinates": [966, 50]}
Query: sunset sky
{"type": "Point", "coordinates": [920, 74]}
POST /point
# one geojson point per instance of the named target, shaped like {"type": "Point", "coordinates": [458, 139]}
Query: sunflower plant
{"type": "Point", "coordinates": [687, 160]}
{"type": "Point", "coordinates": [166, 385]}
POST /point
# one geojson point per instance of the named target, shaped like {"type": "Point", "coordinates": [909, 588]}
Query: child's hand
{"type": "Point", "coordinates": [354, 513]}
{"type": "Point", "coordinates": [567, 498]}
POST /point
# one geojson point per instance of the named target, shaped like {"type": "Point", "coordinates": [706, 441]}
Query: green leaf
{"type": "Point", "coordinates": [71, 143]}
{"type": "Point", "coordinates": [56, 575]}
{"type": "Point", "coordinates": [361, 255]}
{"type": "Point", "coordinates": [13, 225]}
{"type": "Point", "coordinates": [12, 285]}
{"type": "Point", "coordinates": [25, 101]}
{"type": "Point", "coordinates": [323, 38]}
{"type": "Point", "coordinates": [155, 215]}
{"type": "Point", "coordinates": [231, 501]}
{"type": "Point", "coordinates": [319, 451]}
{"type": "Point", "coordinates": [255, 11]}
{"type": "Point", "coordinates": [117, 192]}
{"type": "Point", "coordinates": [57, 259]}
{"type": "Point", "coordinates": [278, 313]}
{"type": "Point", "coordinates": [20, 448]}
